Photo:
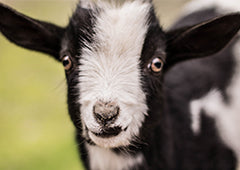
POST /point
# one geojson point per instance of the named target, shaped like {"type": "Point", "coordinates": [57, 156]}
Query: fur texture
{"type": "Point", "coordinates": [178, 116]}
{"type": "Point", "coordinates": [109, 70]}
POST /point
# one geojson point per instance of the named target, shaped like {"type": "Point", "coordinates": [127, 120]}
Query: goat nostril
{"type": "Point", "coordinates": [105, 118]}
{"type": "Point", "coordinates": [98, 117]}
{"type": "Point", "coordinates": [105, 113]}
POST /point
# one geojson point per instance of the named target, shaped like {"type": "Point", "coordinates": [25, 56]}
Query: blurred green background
{"type": "Point", "coordinates": [35, 130]}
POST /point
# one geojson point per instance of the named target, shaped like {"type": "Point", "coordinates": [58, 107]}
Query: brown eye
{"type": "Point", "coordinates": [67, 63]}
{"type": "Point", "coordinates": [156, 65]}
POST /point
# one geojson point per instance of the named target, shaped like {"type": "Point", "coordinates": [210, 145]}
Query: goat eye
{"type": "Point", "coordinates": [156, 65]}
{"type": "Point", "coordinates": [67, 63]}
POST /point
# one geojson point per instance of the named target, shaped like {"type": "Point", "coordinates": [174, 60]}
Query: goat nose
{"type": "Point", "coordinates": [105, 113]}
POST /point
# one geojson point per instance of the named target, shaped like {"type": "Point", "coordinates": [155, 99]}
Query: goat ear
{"type": "Point", "coordinates": [30, 33]}
{"type": "Point", "coordinates": [201, 40]}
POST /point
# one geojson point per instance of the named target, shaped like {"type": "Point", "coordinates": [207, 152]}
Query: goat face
{"type": "Point", "coordinates": [119, 67]}
{"type": "Point", "coordinates": [115, 57]}
{"type": "Point", "coordinates": [109, 70]}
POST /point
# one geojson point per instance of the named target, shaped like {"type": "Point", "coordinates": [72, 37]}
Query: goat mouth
{"type": "Point", "coordinates": [108, 132]}
{"type": "Point", "coordinates": [108, 137]}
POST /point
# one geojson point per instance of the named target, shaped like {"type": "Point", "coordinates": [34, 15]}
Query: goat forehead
{"type": "Point", "coordinates": [122, 29]}
{"type": "Point", "coordinates": [111, 61]}
{"type": "Point", "coordinates": [116, 29]}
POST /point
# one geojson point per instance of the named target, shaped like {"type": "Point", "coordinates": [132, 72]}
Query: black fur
{"type": "Point", "coordinates": [182, 87]}
{"type": "Point", "coordinates": [22, 30]}
{"type": "Point", "coordinates": [166, 139]}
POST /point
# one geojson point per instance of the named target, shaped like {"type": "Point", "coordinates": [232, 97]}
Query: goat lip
{"type": "Point", "coordinates": [108, 132]}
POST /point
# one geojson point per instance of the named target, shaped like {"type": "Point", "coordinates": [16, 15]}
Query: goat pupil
{"type": "Point", "coordinates": [65, 62]}
{"type": "Point", "coordinates": [158, 65]}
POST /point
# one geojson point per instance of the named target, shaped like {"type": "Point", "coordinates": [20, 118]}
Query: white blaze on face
{"type": "Point", "coordinates": [110, 70]}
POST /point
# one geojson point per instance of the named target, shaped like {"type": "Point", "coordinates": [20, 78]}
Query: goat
{"type": "Point", "coordinates": [141, 97]}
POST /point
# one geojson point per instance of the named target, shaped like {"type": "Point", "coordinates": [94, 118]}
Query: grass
{"type": "Point", "coordinates": [35, 129]}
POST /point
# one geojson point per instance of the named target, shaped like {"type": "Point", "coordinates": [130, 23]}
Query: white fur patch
{"type": "Point", "coordinates": [105, 159]}
{"type": "Point", "coordinates": [226, 115]}
{"type": "Point", "coordinates": [211, 103]}
{"type": "Point", "coordinates": [110, 70]}
{"type": "Point", "coordinates": [222, 6]}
